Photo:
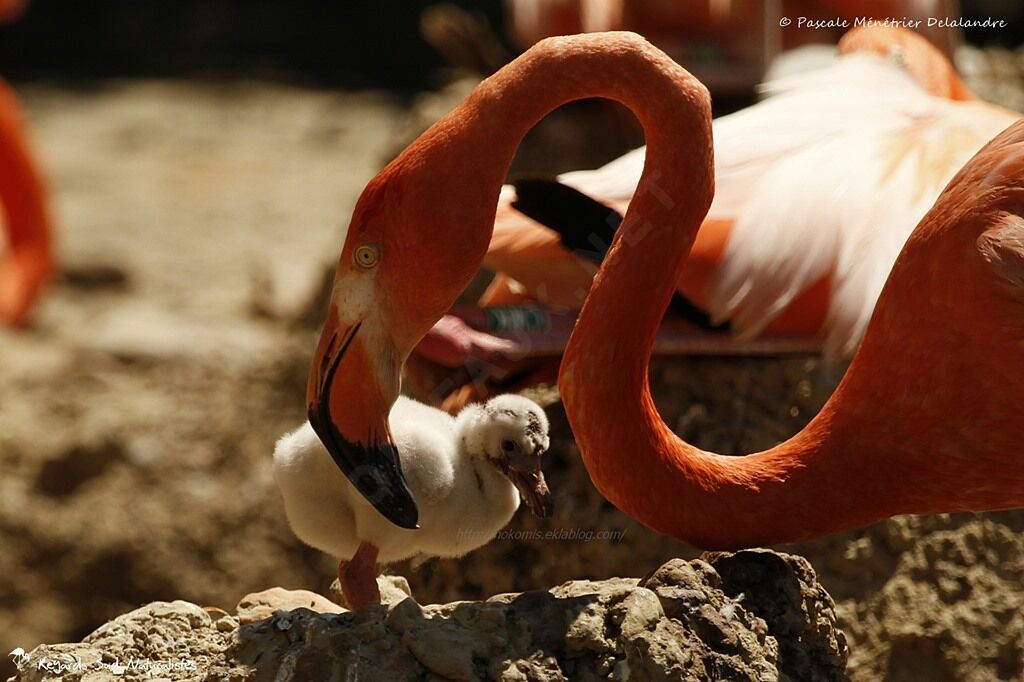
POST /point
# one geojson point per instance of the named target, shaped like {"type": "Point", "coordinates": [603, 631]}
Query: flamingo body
{"type": "Point", "coordinates": [818, 188]}
{"type": "Point", "coordinates": [924, 421]}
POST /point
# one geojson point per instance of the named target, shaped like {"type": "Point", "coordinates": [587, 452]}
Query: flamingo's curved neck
{"type": "Point", "coordinates": [633, 458]}
{"type": "Point", "coordinates": [856, 462]}
{"type": "Point", "coordinates": [477, 141]}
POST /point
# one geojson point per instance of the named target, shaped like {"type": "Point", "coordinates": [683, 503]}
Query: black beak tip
{"type": "Point", "coordinates": [379, 478]}
{"type": "Point", "coordinates": [376, 473]}
{"type": "Point", "coordinates": [374, 469]}
{"type": "Point", "coordinates": [400, 509]}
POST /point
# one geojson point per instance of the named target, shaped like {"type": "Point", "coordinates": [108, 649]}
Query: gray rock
{"type": "Point", "coordinates": [261, 605]}
{"type": "Point", "coordinates": [160, 641]}
{"type": "Point", "coordinates": [393, 589]}
{"type": "Point", "coordinates": [753, 615]}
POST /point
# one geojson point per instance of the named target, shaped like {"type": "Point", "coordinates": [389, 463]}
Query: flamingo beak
{"type": "Point", "coordinates": [533, 488]}
{"type": "Point", "coordinates": [348, 408]}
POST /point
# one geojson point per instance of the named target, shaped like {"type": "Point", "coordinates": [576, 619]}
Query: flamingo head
{"type": "Point", "coordinates": [911, 51]}
{"type": "Point", "coordinates": [408, 254]}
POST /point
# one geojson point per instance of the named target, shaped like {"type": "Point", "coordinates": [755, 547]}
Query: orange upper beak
{"type": "Point", "coordinates": [348, 405]}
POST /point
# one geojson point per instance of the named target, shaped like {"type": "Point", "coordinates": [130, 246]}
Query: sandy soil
{"type": "Point", "coordinates": [138, 416]}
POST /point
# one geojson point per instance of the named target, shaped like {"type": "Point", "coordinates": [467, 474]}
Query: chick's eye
{"type": "Point", "coordinates": [366, 256]}
{"type": "Point", "coordinates": [508, 446]}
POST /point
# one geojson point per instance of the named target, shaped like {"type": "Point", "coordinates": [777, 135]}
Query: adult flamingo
{"type": "Point", "coordinates": [819, 187]}
{"type": "Point", "coordinates": [926, 419]}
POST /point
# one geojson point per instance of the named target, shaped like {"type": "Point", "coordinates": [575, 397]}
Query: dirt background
{"type": "Point", "coordinates": [138, 414]}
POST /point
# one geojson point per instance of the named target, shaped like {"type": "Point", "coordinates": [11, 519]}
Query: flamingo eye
{"type": "Point", "coordinates": [509, 446]}
{"type": "Point", "coordinates": [366, 256]}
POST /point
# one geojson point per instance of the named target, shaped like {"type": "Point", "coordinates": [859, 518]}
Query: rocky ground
{"type": "Point", "coordinates": [753, 615]}
{"type": "Point", "coordinates": [138, 415]}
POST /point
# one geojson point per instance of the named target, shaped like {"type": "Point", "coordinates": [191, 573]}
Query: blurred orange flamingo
{"type": "Point", "coordinates": [27, 262]}
{"type": "Point", "coordinates": [11, 10]}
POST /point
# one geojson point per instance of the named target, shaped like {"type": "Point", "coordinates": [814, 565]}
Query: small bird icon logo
{"type": "Point", "coordinates": [20, 657]}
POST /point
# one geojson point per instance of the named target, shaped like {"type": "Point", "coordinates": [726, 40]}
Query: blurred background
{"type": "Point", "coordinates": [202, 157]}
{"type": "Point", "coordinates": [341, 44]}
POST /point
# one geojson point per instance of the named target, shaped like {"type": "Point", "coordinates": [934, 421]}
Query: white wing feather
{"type": "Point", "coordinates": [855, 155]}
{"type": "Point", "coordinates": [829, 175]}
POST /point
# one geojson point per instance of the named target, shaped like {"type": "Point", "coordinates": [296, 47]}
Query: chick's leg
{"type": "Point", "coordinates": [358, 578]}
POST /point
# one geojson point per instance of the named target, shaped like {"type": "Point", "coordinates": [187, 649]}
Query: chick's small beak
{"type": "Point", "coordinates": [348, 409]}
{"type": "Point", "coordinates": [534, 489]}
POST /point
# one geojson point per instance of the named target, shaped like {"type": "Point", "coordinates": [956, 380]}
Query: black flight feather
{"type": "Point", "coordinates": [587, 227]}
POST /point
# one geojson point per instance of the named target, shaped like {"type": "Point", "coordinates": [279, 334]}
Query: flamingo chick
{"type": "Point", "coordinates": [466, 474]}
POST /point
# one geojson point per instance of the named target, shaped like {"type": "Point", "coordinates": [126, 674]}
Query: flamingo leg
{"type": "Point", "coordinates": [358, 578]}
